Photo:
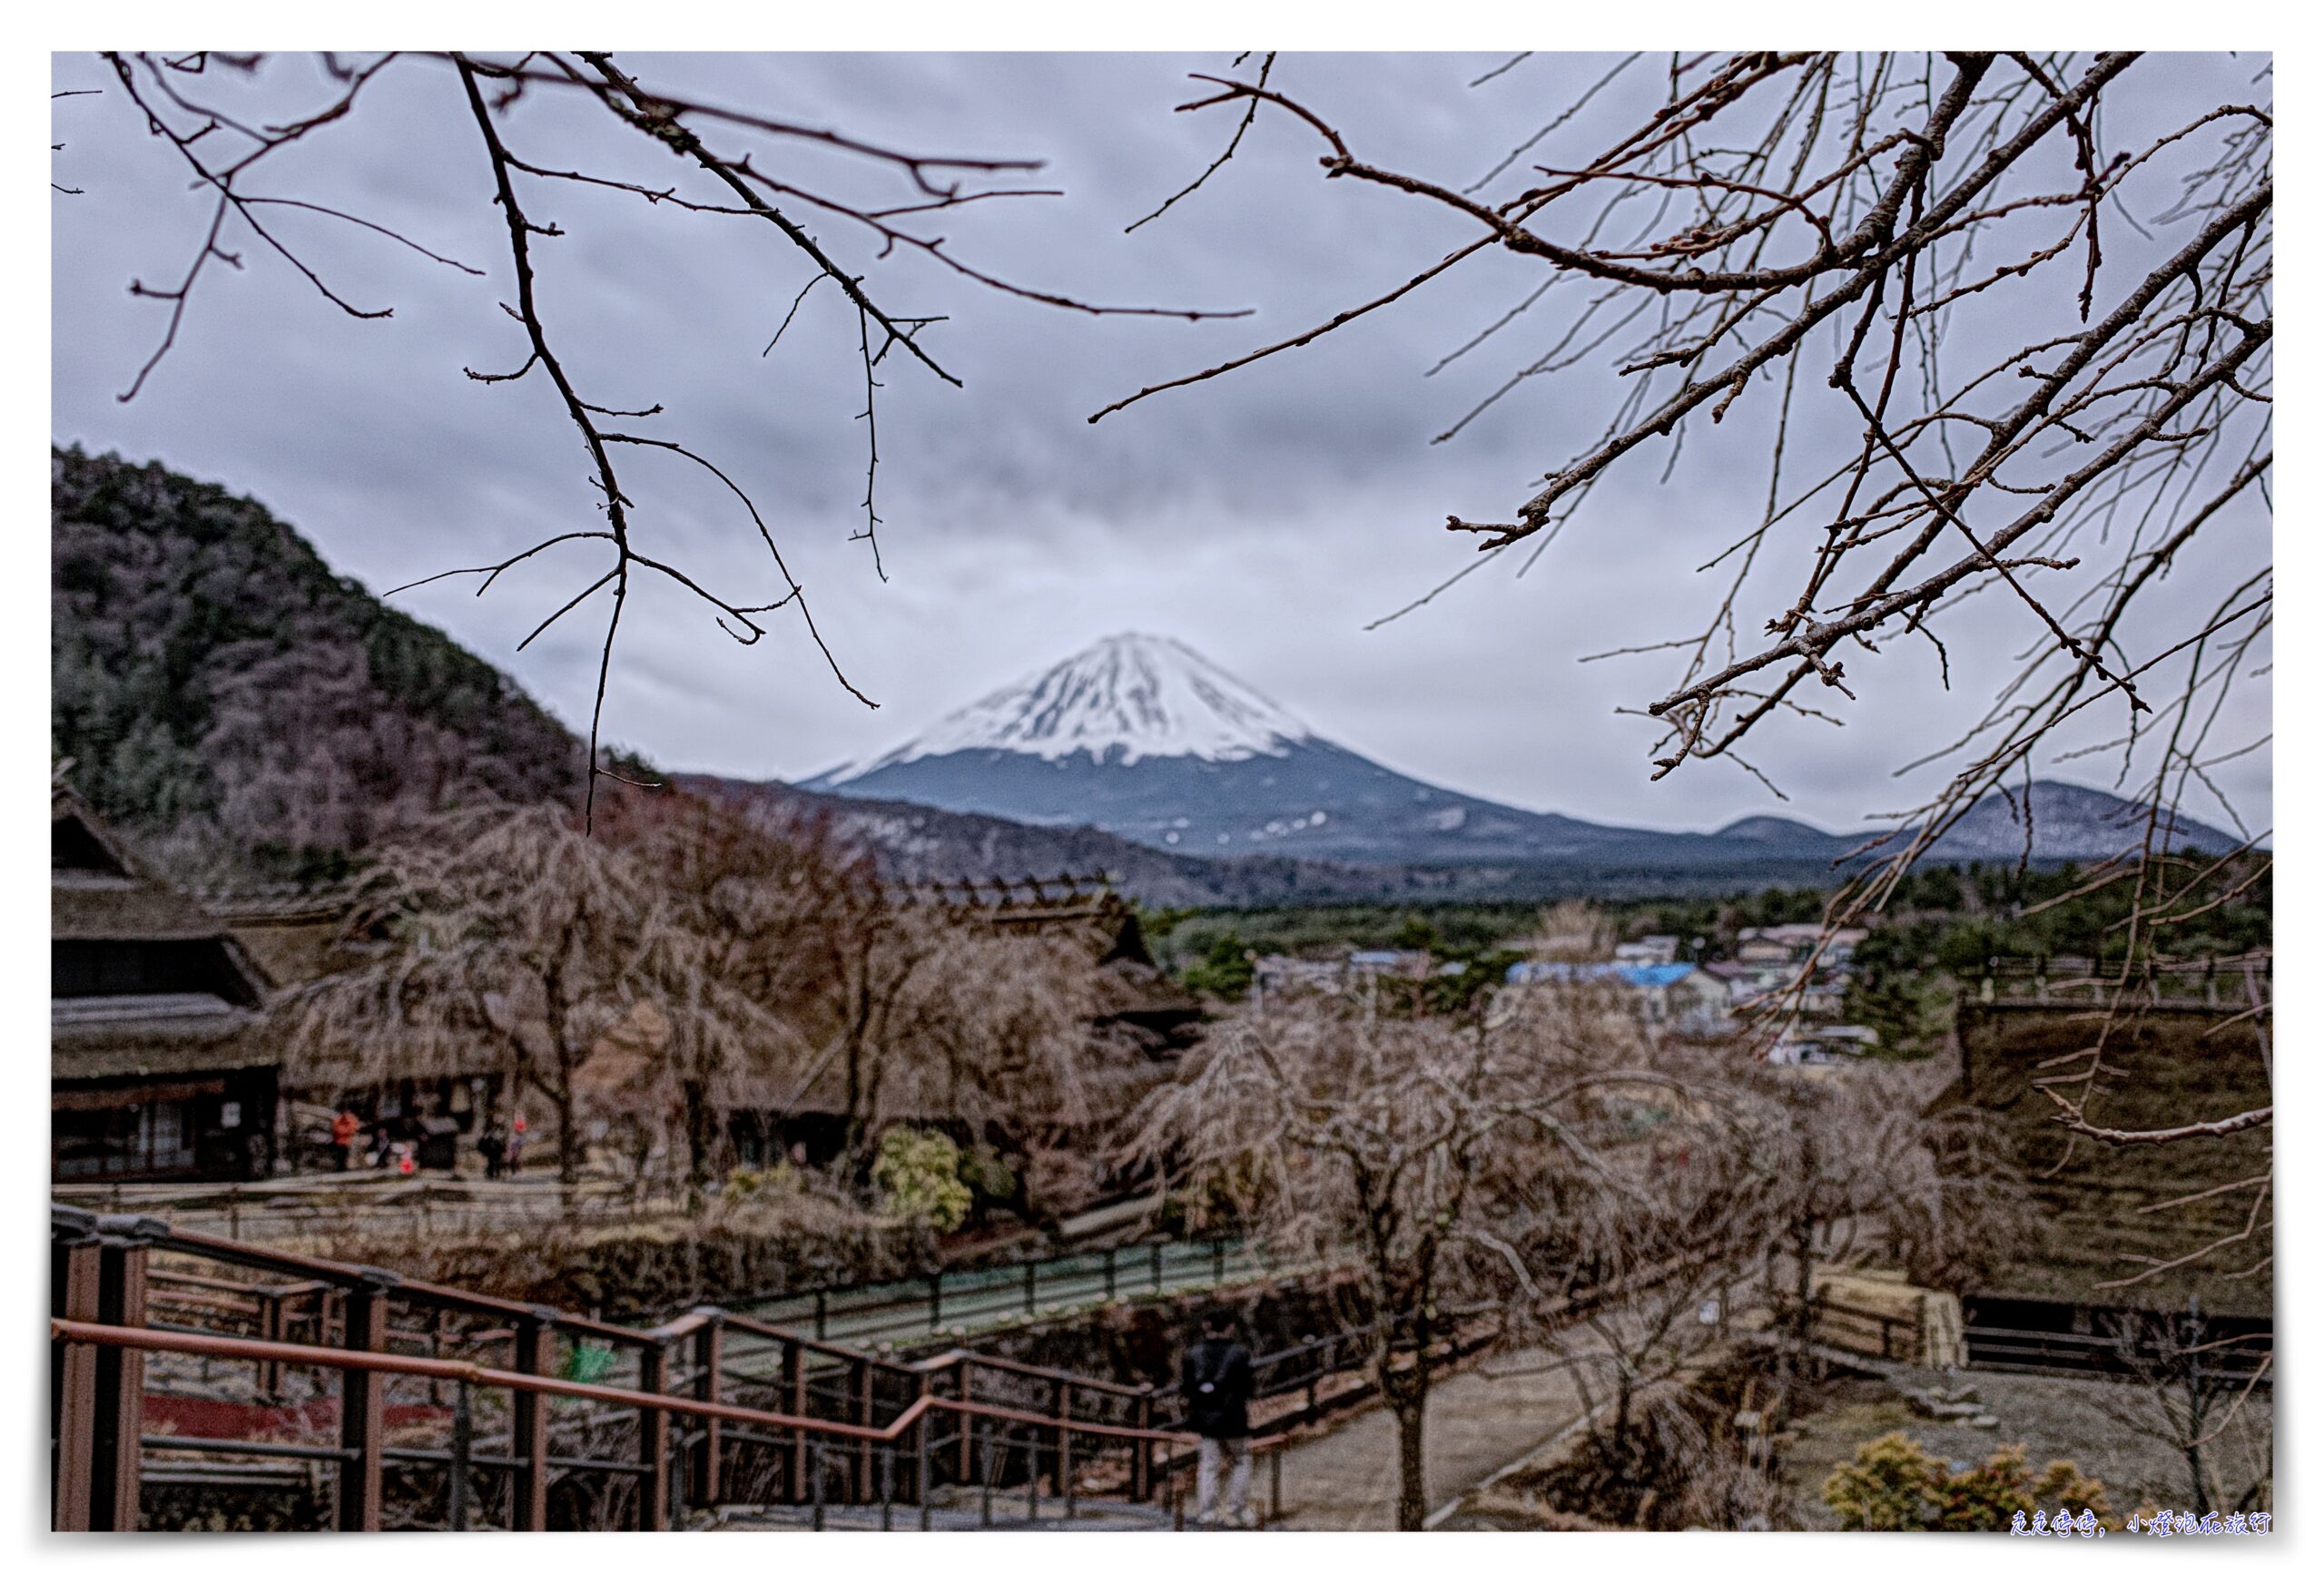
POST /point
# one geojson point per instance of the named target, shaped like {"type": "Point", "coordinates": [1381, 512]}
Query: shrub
{"type": "Point", "coordinates": [918, 1174]}
{"type": "Point", "coordinates": [1894, 1486]}
{"type": "Point", "coordinates": [1886, 1488]}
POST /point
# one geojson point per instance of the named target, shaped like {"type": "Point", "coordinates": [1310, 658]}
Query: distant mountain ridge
{"type": "Point", "coordinates": [1144, 738]}
{"type": "Point", "coordinates": [208, 669]}
{"type": "Point", "coordinates": [914, 842]}
{"type": "Point", "coordinates": [210, 672]}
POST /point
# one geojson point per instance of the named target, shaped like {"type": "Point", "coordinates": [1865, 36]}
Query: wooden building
{"type": "Point", "coordinates": [153, 1074]}
{"type": "Point", "coordinates": [2126, 1230]}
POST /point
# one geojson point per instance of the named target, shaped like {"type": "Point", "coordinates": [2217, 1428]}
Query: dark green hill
{"type": "Point", "coordinates": [213, 681]}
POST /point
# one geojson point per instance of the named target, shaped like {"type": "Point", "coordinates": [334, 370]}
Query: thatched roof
{"type": "Point", "coordinates": [86, 907]}
{"type": "Point", "coordinates": [106, 1037]}
{"type": "Point", "coordinates": [1076, 906]}
{"type": "Point", "coordinates": [199, 994]}
{"type": "Point", "coordinates": [98, 891]}
{"type": "Point", "coordinates": [2174, 1066]}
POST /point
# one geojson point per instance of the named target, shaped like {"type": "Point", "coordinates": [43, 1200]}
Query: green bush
{"type": "Point", "coordinates": [774, 1181]}
{"type": "Point", "coordinates": [1224, 969]}
{"type": "Point", "coordinates": [987, 1175]}
{"type": "Point", "coordinates": [918, 1174]}
{"type": "Point", "coordinates": [1894, 1486]}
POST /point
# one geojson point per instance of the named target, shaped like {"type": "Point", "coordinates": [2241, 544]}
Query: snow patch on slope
{"type": "Point", "coordinates": [1133, 695]}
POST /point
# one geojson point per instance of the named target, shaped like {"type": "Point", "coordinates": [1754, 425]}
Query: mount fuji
{"type": "Point", "coordinates": [1144, 738]}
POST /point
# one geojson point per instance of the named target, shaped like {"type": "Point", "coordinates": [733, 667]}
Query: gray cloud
{"type": "Point", "coordinates": [1264, 518]}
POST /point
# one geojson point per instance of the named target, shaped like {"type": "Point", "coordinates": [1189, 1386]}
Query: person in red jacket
{"type": "Point", "coordinates": [343, 1128]}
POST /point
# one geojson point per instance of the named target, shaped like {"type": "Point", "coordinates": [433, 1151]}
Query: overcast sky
{"type": "Point", "coordinates": [1264, 518]}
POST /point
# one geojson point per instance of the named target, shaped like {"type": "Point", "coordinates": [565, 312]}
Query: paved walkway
{"type": "Point", "coordinates": [1478, 1424]}
{"type": "Point", "coordinates": [1008, 1512]}
{"type": "Point", "coordinates": [1483, 1422]}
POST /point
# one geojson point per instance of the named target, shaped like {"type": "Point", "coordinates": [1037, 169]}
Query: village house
{"type": "Point", "coordinates": [1367, 965]}
{"type": "Point", "coordinates": [1799, 943]}
{"type": "Point", "coordinates": [1679, 996]}
{"type": "Point", "coordinates": [1654, 950]}
{"type": "Point", "coordinates": [1274, 974]}
{"type": "Point", "coordinates": [153, 1073]}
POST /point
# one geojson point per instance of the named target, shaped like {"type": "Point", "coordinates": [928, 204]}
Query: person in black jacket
{"type": "Point", "coordinates": [1215, 1380]}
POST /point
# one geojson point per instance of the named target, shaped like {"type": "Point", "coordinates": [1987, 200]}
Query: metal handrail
{"type": "Point", "coordinates": [195, 1343]}
{"type": "Point", "coordinates": [469, 1375]}
{"type": "Point", "coordinates": [102, 1301]}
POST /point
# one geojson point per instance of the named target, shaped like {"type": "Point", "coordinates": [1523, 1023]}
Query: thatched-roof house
{"type": "Point", "coordinates": [151, 1072]}
{"type": "Point", "coordinates": [2114, 1212]}
{"type": "Point", "coordinates": [1136, 1020]}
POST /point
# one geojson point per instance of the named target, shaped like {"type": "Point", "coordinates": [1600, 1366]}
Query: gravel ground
{"type": "Point", "coordinates": [2055, 1419]}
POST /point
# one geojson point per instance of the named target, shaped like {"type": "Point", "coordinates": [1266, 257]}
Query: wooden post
{"type": "Point", "coordinates": [709, 1349]}
{"type": "Point", "coordinates": [117, 1469]}
{"type": "Point", "coordinates": [795, 1401]}
{"type": "Point", "coordinates": [983, 1431]}
{"type": "Point", "coordinates": [919, 1473]}
{"type": "Point", "coordinates": [1032, 1475]}
{"type": "Point", "coordinates": [362, 1408]}
{"type": "Point", "coordinates": [652, 1442]}
{"type": "Point", "coordinates": [463, 1450]}
{"type": "Point", "coordinates": [1141, 1463]}
{"type": "Point", "coordinates": [961, 1394]}
{"type": "Point", "coordinates": [859, 1394]}
{"type": "Point", "coordinates": [271, 1328]}
{"type": "Point", "coordinates": [1061, 1403]}
{"type": "Point", "coordinates": [74, 1278]}
{"type": "Point", "coordinates": [528, 1421]}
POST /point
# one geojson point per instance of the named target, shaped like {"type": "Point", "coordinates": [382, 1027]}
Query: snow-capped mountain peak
{"type": "Point", "coordinates": [1128, 697]}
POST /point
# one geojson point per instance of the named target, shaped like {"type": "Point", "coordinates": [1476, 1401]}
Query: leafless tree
{"type": "Point", "coordinates": [1428, 1156]}
{"type": "Point", "coordinates": [2196, 1399]}
{"type": "Point", "coordinates": [221, 123]}
{"type": "Point", "coordinates": [2037, 374]}
{"type": "Point", "coordinates": [1888, 205]}
{"type": "Point", "coordinates": [755, 910]}
{"type": "Point", "coordinates": [1859, 1171]}
{"type": "Point", "coordinates": [873, 1002]}
{"type": "Point", "coordinates": [1615, 1268]}
{"type": "Point", "coordinates": [519, 942]}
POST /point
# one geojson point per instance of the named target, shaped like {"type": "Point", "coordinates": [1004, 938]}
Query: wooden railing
{"type": "Point", "coordinates": [2234, 1357]}
{"type": "Point", "coordinates": [2226, 984]}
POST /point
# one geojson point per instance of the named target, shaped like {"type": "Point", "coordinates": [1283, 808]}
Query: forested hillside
{"type": "Point", "coordinates": [216, 685]}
